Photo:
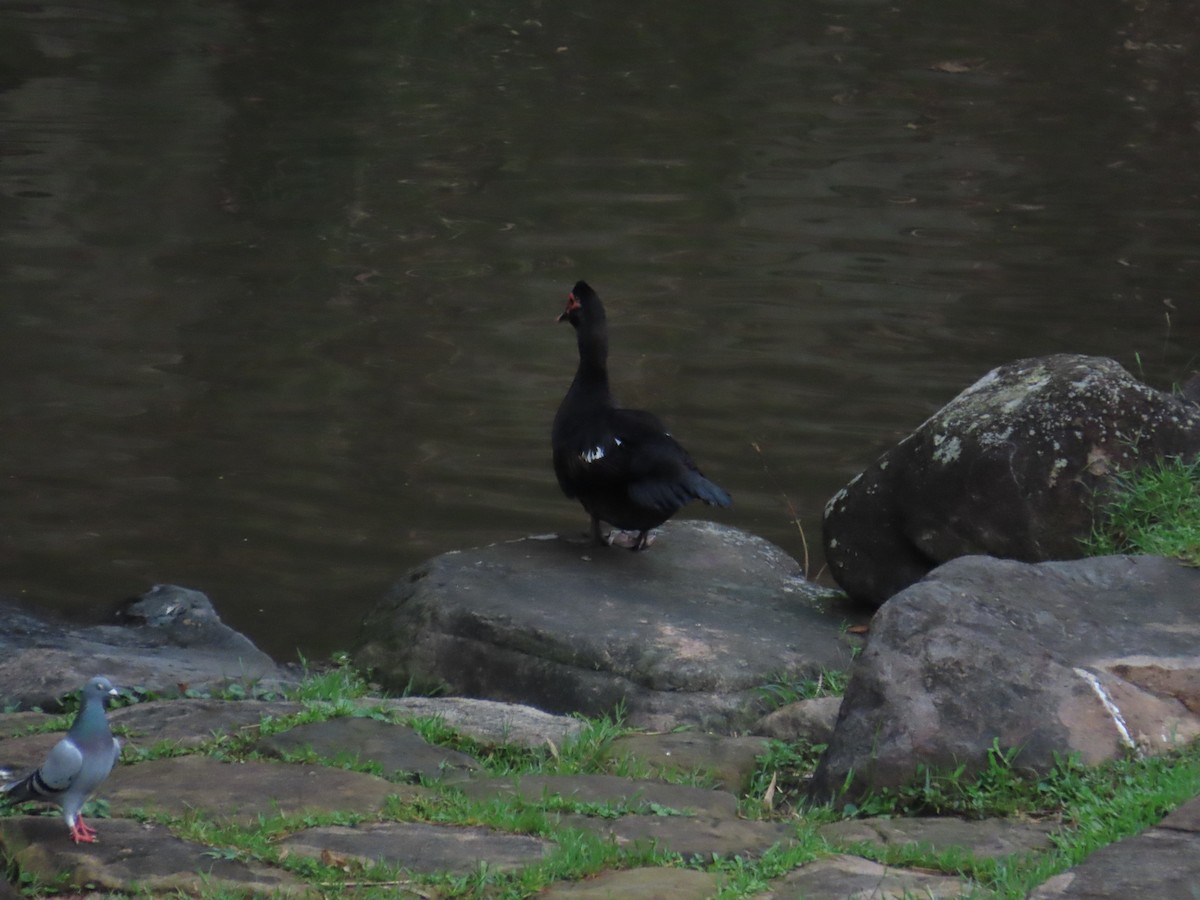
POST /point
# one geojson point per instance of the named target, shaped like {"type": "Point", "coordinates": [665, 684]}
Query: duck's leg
{"type": "Point", "coordinates": [631, 540]}
{"type": "Point", "coordinates": [596, 536]}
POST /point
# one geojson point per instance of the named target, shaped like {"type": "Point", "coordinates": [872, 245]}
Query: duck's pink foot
{"type": "Point", "coordinates": [630, 540]}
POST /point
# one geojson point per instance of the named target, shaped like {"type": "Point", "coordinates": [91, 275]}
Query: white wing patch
{"type": "Point", "coordinates": [598, 452]}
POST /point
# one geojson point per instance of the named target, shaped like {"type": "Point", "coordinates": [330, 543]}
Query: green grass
{"type": "Point", "coordinates": [1153, 510]}
{"type": "Point", "coordinates": [784, 691]}
{"type": "Point", "coordinates": [337, 682]}
{"type": "Point", "coordinates": [1091, 806]}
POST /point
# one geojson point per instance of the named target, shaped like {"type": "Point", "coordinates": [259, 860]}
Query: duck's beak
{"type": "Point", "coordinates": [572, 305]}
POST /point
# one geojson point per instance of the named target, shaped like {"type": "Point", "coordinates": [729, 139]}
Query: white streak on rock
{"type": "Point", "coordinates": [1111, 708]}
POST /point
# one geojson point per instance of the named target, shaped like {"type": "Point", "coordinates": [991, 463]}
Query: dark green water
{"type": "Point", "coordinates": [279, 280]}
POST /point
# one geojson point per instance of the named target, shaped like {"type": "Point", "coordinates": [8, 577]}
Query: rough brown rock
{"type": "Point", "coordinates": [1042, 658]}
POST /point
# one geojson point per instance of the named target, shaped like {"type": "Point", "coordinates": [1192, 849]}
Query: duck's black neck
{"type": "Point", "coordinates": [592, 374]}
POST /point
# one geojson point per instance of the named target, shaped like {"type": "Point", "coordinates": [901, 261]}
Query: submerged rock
{"type": "Point", "coordinates": [1011, 467]}
{"type": "Point", "coordinates": [1095, 657]}
{"type": "Point", "coordinates": [684, 632]}
{"type": "Point", "coordinates": [173, 641]}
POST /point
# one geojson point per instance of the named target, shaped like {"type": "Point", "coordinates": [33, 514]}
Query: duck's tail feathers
{"type": "Point", "coordinates": [708, 491]}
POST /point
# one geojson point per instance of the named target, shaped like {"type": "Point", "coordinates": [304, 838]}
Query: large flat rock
{"type": "Point", "coordinates": [681, 633]}
{"type": "Point", "coordinates": [243, 791]}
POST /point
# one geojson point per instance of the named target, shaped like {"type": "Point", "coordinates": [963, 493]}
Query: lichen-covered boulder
{"type": "Point", "coordinates": [1012, 467]}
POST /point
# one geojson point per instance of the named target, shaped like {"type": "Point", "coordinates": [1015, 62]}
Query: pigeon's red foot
{"type": "Point", "coordinates": [82, 833]}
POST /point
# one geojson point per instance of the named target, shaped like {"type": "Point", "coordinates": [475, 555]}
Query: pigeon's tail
{"type": "Point", "coordinates": [31, 787]}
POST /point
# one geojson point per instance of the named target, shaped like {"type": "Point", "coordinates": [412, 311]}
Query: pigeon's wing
{"type": "Point", "coordinates": [61, 767]}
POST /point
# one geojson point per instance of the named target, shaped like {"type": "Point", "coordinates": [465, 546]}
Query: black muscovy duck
{"type": "Point", "coordinates": [622, 464]}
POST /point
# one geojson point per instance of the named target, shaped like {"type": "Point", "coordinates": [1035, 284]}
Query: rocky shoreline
{"type": "Point", "coordinates": [179, 812]}
{"type": "Point", "coordinates": [276, 794]}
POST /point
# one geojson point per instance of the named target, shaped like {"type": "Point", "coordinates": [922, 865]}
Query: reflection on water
{"type": "Point", "coordinates": [280, 283]}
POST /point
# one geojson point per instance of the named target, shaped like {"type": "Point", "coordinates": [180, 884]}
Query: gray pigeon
{"type": "Point", "coordinates": [77, 764]}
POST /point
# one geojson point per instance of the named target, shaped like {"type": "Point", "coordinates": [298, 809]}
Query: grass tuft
{"type": "Point", "coordinates": [1154, 510]}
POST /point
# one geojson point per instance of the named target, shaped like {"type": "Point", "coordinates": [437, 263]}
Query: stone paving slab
{"type": "Point", "coordinates": [687, 835]}
{"type": "Point", "coordinates": [490, 722]}
{"type": "Point", "coordinates": [190, 723]}
{"type": "Point", "coordinates": [243, 791]}
{"type": "Point", "coordinates": [18, 722]}
{"type": "Point", "coordinates": [608, 789]}
{"type": "Point", "coordinates": [854, 878]}
{"type": "Point", "coordinates": [986, 837]}
{"type": "Point", "coordinates": [638, 884]}
{"type": "Point", "coordinates": [1162, 862]}
{"type": "Point", "coordinates": [397, 748]}
{"type": "Point", "coordinates": [129, 856]}
{"type": "Point", "coordinates": [730, 759]}
{"type": "Point", "coordinates": [421, 847]}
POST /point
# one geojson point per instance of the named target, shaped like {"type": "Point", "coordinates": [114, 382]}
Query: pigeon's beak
{"type": "Point", "coordinates": [113, 692]}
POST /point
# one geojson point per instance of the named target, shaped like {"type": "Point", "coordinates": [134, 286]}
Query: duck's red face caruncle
{"type": "Point", "coordinates": [573, 306]}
